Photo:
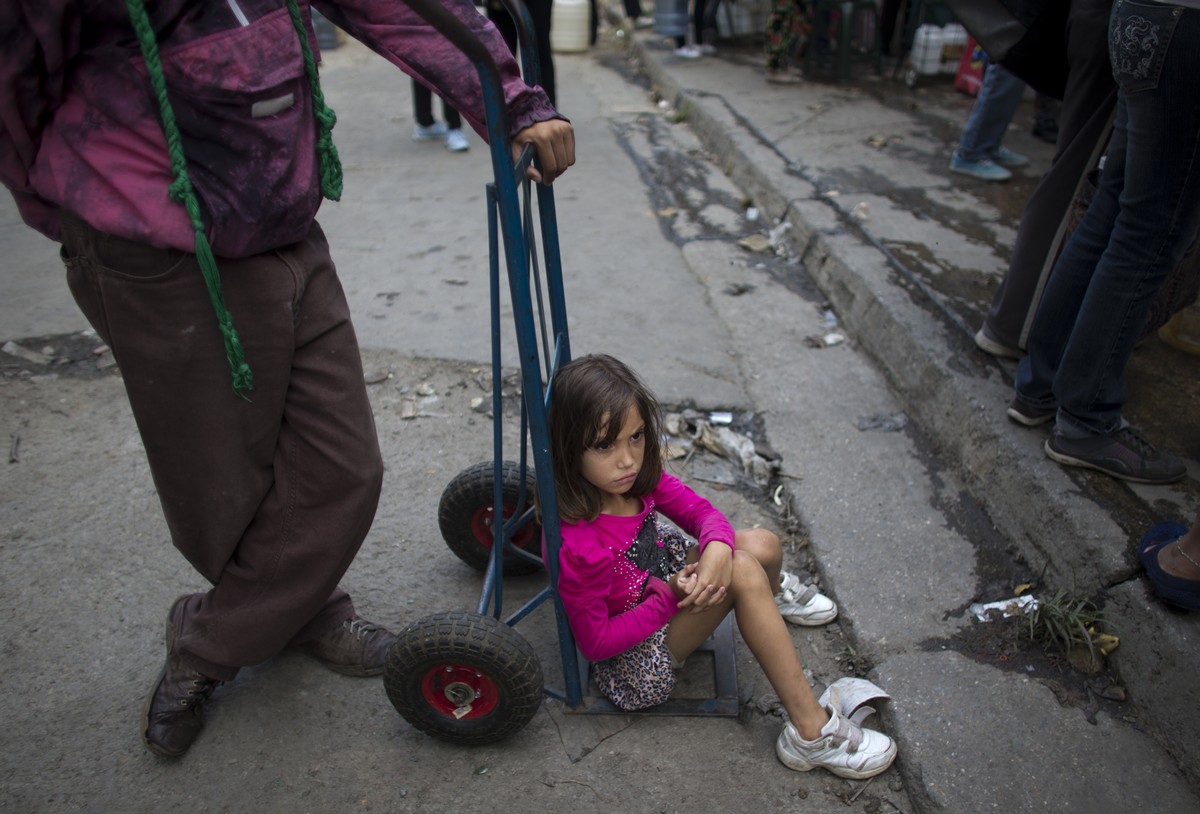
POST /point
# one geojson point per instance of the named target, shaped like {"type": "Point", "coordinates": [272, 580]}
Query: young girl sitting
{"type": "Point", "coordinates": [640, 597]}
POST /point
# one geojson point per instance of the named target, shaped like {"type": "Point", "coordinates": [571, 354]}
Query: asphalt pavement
{"type": "Point", "coordinates": [717, 231]}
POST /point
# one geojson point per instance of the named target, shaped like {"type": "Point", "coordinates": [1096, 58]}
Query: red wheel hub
{"type": "Point", "coordinates": [483, 527]}
{"type": "Point", "coordinates": [449, 688]}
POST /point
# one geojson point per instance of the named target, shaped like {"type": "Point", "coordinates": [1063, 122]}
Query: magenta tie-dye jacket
{"type": "Point", "coordinates": [80, 128]}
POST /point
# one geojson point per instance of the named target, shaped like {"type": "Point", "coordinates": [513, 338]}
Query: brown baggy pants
{"type": "Point", "coordinates": [269, 499]}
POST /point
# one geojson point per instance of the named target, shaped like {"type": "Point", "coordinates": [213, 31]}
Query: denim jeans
{"type": "Point", "coordinates": [995, 106]}
{"type": "Point", "coordinates": [1089, 103]}
{"type": "Point", "coordinates": [1144, 215]}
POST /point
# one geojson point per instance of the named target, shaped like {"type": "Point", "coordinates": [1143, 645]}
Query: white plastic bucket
{"type": "Point", "coordinates": [569, 26]}
{"type": "Point", "coordinates": [927, 50]}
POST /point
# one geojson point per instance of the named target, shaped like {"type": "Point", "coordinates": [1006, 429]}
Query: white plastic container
{"type": "Point", "coordinates": [954, 42]}
{"type": "Point", "coordinates": [671, 18]}
{"type": "Point", "coordinates": [927, 50]}
{"type": "Point", "coordinates": [569, 26]}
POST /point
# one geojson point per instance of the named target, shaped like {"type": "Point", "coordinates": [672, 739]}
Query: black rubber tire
{"type": "Point", "coordinates": [443, 658]}
{"type": "Point", "coordinates": [465, 512]}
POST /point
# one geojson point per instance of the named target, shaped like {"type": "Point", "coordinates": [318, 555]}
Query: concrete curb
{"type": "Point", "coordinates": [924, 356]}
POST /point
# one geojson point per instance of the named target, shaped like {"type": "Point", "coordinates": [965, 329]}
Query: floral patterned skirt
{"type": "Point", "coordinates": [644, 675]}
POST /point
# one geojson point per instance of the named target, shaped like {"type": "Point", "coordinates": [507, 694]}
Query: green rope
{"type": "Point", "coordinates": [181, 191]}
{"type": "Point", "coordinates": [327, 154]}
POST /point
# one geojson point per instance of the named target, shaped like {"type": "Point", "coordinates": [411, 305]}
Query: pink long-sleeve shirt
{"type": "Point", "coordinates": [80, 127]}
{"type": "Point", "coordinates": [606, 568]}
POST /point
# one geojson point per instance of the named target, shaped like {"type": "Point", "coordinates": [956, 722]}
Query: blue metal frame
{"type": "Point", "coordinates": [542, 350]}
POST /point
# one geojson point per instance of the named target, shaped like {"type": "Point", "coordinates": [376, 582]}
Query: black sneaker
{"type": "Point", "coordinates": [1028, 414]}
{"type": "Point", "coordinates": [989, 344]}
{"type": "Point", "coordinates": [1123, 454]}
{"type": "Point", "coordinates": [174, 711]}
{"type": "Point", "coordinates": [356, 647]}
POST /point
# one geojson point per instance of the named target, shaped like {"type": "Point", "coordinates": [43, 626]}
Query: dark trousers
{"type": "Point", "coordinates": [269, 499]}
{"type": "Point", "coordinates": [423, 108]}
{"type": "Point", "coordinates": [1084, 122]}
{"type": "Point", "coordinates": [539, 11]}
{"type": "Point", "coordinates": [704, 16]}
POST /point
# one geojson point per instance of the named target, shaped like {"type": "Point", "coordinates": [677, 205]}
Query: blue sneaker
{"type": "Point", "coordinates": [984, 169]}
{"type": "Point", "coordinates": [1007, 158]}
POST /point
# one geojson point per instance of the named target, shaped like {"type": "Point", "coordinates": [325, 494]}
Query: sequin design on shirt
{"type": "Point", "coordinates": [657, 550]}
{"type": "Point", "coordinates": [643, 558]}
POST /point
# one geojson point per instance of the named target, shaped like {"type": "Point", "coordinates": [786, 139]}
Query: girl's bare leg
{"type": "Point", "coordinates": [765, 547]}
{"type": "Point", "coordinates": [766, 634]}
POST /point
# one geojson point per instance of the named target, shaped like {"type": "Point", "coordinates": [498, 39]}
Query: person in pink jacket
{"type": "Point", "coordinates": [640, 597]}
{"type": "Point", "coordinates": [179, 151]}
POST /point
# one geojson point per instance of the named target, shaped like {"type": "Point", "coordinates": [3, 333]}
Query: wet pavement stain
{"type": "Point", "coordinates": [677, 182]}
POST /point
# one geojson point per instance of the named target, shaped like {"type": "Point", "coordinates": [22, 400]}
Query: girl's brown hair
{"type": "Point", "coordinates": [588, 397]}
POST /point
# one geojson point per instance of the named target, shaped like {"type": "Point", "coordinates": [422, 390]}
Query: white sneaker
{"type": "Point", "coordinates": [706, 49]}
{"type": "Point", "coordinates": [433, 132]}
{"type": "Point", "coordinates": [456, 141]}
{"type": "Point", "coordinates": [688, 52]}
{"type": "Point", "coordinates": [844, 747]}
{"type": "Point", "coordinates": [803, 604]}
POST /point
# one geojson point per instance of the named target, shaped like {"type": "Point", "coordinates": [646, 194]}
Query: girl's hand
{"type": "Point", "coordinates": [681, 582]}
{"type": "Point", "coordinates": [713, 576]}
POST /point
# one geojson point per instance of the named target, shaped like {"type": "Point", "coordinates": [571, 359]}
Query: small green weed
{"type": "Point", "coordinates": [1068, 623]}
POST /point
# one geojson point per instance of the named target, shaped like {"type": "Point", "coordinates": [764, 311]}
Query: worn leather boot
{"type": "Point", "coordinates": [356, 647]}
{"type": "Point", "coordinates": [174, 712]}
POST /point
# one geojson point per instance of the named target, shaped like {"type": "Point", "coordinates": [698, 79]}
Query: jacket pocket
{"type": "Point", "coordinates": [241, 101]}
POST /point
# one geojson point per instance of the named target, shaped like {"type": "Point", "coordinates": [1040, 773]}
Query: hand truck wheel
{"type": "Point", "coordinates": [466, 516]}
{"type": "Point", "coordinates": [464, 678]}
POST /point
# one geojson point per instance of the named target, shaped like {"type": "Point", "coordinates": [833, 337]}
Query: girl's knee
{"type": "Point", "coordinates": [748, 571]}
{"type": "Point", "coordinates": [755, 538]}
{"type": "Point", "coordinates": [763, 544]}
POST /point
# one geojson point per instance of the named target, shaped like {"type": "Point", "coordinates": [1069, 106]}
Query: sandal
{"type": "Point", "coordinates": [1183, 593]}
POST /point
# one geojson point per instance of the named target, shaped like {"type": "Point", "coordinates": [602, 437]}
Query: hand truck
{"type": "Point", "coordinates": [470, 678]}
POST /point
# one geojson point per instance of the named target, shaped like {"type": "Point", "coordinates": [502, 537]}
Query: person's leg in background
{"type": "Point", "coordinates": [1140, 222]}
{"type": "Point", "coordinates": [979, 153]}
{"type": "Point", "coordinates": [888, 17]}
{"type": "Point", "coordinates": [456, 139]}
{"type": "Point", "coordinates": [539, 12]}
{"type": "Point", "coordinates": [785, 25]}
{"type": "Point", "coordinates": [633, 10]}
{"type": "Point", "coordinates": [428, 129]}
{"type": "Point", "coordinates": [1045, 118]}
{"type": "Point", "coordinates": [706, 25]}
{"type": "Point", "coordinates": [1084, 120]}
